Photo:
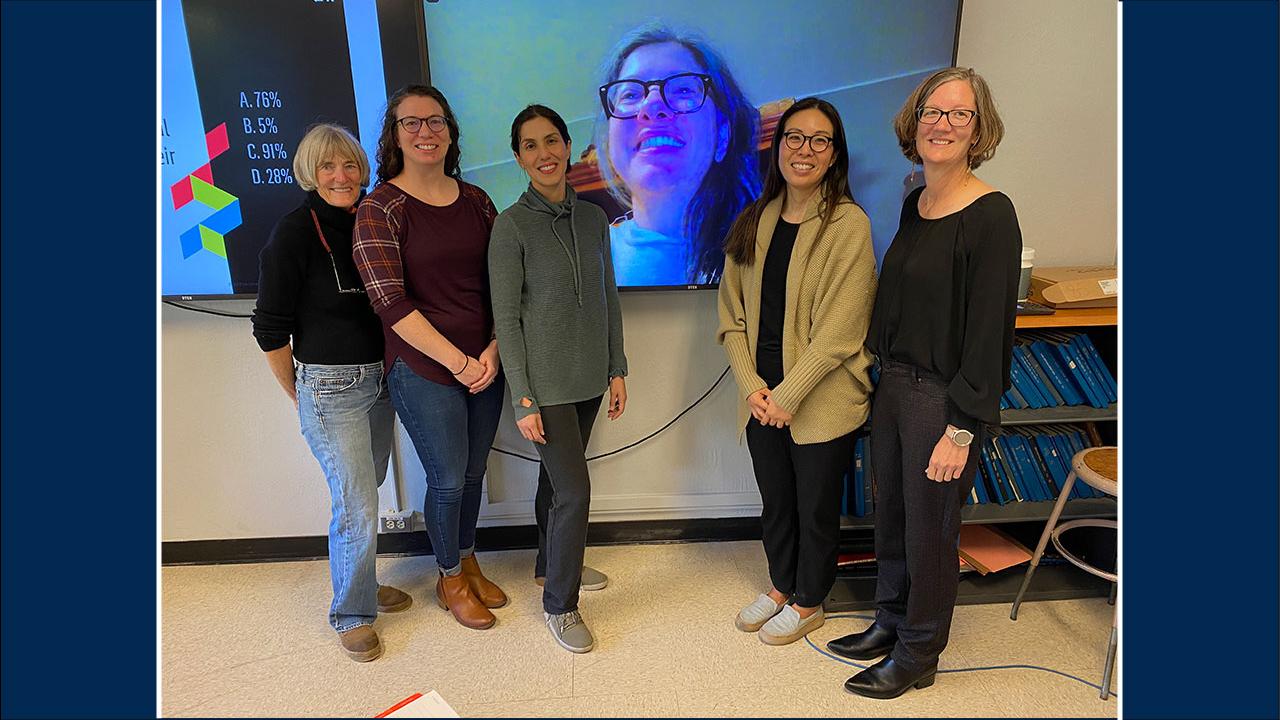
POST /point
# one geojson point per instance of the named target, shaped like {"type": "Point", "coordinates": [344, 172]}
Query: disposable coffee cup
{"type": "Point", "coordinates": [1024, 277]}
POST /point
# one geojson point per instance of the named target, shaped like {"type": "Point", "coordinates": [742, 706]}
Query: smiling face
{"type": "Point", "coordinates": [660, 152]}
{"type": "Point", "coordinates": [803, 169]}
{"type": "Point", "coordinates": [544, 155]}
{"type": "Point", "coordinates": [338, 181]}
{"type": "Point", "coordinates": [426, 147]}
{"type": "Point", "coordinates": [942, 144]}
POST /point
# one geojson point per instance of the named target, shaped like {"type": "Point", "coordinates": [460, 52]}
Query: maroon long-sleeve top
{"type": "Point", "coordinates": [415, 256]}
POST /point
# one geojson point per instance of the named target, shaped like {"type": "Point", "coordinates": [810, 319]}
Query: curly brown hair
{"type": "Point", "coordinates": [391, 157]}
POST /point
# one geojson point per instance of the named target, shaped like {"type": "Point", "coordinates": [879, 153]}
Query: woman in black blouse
{"type": "Point", "coordinates": [324, 345]}
{"type": "Point", "coordinates": [942, 329]}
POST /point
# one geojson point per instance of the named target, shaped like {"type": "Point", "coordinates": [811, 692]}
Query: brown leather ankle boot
{"type": "Point", "coordinates": [454, 594]}
{"type": "Point", "coordinates": [484, 589]}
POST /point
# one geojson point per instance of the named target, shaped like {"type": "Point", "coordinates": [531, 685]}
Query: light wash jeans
{"type": "Point", "coordinates": [346, 418]}
{"type": "Point", "coordinates": [452, 430]}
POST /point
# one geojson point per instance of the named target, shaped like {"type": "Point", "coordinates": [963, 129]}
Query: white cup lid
{"type": "Point", "coordinates": [1028, 254]}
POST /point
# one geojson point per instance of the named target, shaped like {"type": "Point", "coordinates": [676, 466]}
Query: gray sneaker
{"type": "Point", "coordinates": [570, 631]}
{"type": "Point", "coordinates": [787, 627]}
{"type": "Point", "coordinates": [751, 617]}
{"type": "Point", "coordinates": [592, 579]}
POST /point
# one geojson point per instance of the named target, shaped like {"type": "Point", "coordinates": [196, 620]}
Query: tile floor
{"type": "Point", "coordinates": [253, 640]}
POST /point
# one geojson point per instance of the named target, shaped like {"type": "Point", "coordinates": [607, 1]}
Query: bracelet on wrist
{"type": "Point", "coordinates": [466, 361]}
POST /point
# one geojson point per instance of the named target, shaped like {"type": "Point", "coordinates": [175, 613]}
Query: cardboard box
{"type": "Point", "coordinates": [1086, 286]}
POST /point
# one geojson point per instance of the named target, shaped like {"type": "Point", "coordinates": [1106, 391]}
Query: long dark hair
{"type": "Point", "coordinates": [741, 243]}
{"type": "Point", "coordinates": [730, 183]}
{"type": "Point", "coordinates": [535, 111]}
{"type": "Point", "coordinates": [391, 158]}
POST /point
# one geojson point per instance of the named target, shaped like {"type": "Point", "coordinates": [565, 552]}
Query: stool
{"type": "Point", "coordinates": [1097, 467]}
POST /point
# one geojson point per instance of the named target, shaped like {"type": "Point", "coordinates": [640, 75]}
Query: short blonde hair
{"type": "Point", "coordinates": [322, 142]}
{"type": "Point", "coordinates": [989, 129]}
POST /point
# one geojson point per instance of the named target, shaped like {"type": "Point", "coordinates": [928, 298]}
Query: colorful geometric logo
{"type": "Point", "coordinates": [208, 234]}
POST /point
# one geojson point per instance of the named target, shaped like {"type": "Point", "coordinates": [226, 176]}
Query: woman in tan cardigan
{"type": "Point", "coordinates": [795, 301]}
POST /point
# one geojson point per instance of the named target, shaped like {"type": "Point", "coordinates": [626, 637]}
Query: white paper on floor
{"type": "Point", "coordinates": [418, 705]}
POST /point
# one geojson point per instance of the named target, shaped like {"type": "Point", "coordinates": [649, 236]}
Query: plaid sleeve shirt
{"type": "Point", "coordinates": [376, 249]}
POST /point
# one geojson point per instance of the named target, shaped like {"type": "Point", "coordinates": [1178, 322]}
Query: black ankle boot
{"type": "Point", "coordinates": [887, 680]}
{"type": "Point", "coordinates": [869, 644]}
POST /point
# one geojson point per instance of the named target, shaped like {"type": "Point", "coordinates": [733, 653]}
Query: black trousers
{"type": "Point", "coordinates": [917, 519]}
{"type": "Point", "coordinates": [800, 490]}
{"type": "Point", "coordinates": [563, 501]}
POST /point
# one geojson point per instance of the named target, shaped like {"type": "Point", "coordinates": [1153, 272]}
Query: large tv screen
{"type": "Point", "coordinates": [240, 82]}
{"type": "Point", "coordinates": [672, 179]}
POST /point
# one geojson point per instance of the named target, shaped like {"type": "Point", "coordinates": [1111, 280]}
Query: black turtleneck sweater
{"type": "Point", "coordinates": [298, 294]}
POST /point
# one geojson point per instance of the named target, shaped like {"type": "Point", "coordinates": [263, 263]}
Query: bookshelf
{"type": "Point", "coordinates": [855, 586]}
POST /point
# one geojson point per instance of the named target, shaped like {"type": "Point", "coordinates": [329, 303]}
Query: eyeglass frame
{"type": "Point", "coordinates": [341, 290]}
{"type": "Point", "coordinates": [422, 121]}
{"type": "Point", "coordinates": [944, 113]}
{"type": "Point", "coordinates": [708, 86]}
{"type": "Point", "coordinates": [808, 139]}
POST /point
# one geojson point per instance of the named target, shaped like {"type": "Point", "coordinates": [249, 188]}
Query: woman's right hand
{"type": "Point", "coordinates": [531, 428]}
{"type": "Point", "coordinates": [472, 371]}
{"type": "Point", "coordinates": [758, 401]}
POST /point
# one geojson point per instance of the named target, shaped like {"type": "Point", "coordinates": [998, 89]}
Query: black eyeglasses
{"type": "Point", "coordinates": [795, 140]}
{"type": "Point", "coordinates": [334, 263]}
{"type": "Point", "coordinates": [413, 124]}
{"type": "Point", "coordinates": [683, 93]}
{"type": "Point", "coordinates": [957, 118]}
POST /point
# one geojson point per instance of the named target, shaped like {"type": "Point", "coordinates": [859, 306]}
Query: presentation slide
{"type": "Point", "coordinates": [241, 80]}
{"type": "Point", "coordinates": [672, 158]}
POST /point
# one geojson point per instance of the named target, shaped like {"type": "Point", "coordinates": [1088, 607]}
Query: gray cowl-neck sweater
{"type": "Point", "coordinates": [555, 302]}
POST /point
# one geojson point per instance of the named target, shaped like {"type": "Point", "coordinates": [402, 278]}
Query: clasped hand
{"type": "Point", "coordinates": [479, 373]}
{"type": "Point", "coordinates": [766, 411]}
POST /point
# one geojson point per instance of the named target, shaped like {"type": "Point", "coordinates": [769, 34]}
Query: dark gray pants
{"type": "Point", "coordinates": [800, 517]}
{"type": "Point", "coordinates": [561, 509]}
{"type": "Point", "coordinates": [917, 519]}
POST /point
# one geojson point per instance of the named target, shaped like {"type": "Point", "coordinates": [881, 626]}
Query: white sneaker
{"type": "Point", "coordinates": [787, 626]}
{"type": "Point", "coordinates": [751, 617]}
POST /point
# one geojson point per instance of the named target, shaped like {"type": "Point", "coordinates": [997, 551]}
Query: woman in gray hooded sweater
{"type": "Point", "coordinates": [559, 327]}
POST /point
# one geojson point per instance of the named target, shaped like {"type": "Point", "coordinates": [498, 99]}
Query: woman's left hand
{"type": "Point", "coordinates": [775, 416]}
{"type": "Point", "coordinates": [488, 360]}
{"type": "Point", "coordinates": [947, 461]}
{"type": "Point", "coordinates": [617, 397]}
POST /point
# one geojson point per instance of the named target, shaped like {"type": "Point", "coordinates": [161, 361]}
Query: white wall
{"type": "Point", "coordinates": [1051, 65]}
{"type": "Point", "coordinates": [234, 465]}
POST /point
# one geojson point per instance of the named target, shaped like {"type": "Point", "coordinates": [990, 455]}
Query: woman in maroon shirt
{"type": "Point", "coordinates": [421, 243]}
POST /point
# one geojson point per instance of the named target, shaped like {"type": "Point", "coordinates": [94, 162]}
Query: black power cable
{"type": "Point", "coordinates": [637, 442]}
{"type": "Point", "coordinates": [495, 448]}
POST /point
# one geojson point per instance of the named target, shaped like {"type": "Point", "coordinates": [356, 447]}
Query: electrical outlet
{"type": "Point", "coordinates": [396, 522]}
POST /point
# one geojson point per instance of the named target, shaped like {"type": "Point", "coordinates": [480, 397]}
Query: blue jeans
{"type": "Point", "coordinates": [347, 420]}
{"type": "Point", "coordinates": [452, 430]}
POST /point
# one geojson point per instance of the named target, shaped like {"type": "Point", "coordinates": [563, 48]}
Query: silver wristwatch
{"type": "Point", "coordinates": [960, 437]}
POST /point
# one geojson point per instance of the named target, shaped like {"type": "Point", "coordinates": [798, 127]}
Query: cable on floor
{"type": "Point", "coordinates": [860, 666]}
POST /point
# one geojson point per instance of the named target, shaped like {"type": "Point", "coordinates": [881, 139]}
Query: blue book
{"type": "Point", "coordinates": [1001, 473]}
{"type": "Point", "coordinates": [1090, 375]}
{"type": "Point", "coordinates": [1047, 387]}
{"type": "Point", "coordinates": [1042, 467]}
{"type": "Point", "coordinates": [1077, 374]}
{"type": "Point", "coordinates": [1030, 473]}
{"type": "Point", "coordinates": [1066, 452]}
{"type": "Point", "coordinates": [1053, 461]}
{"type": "Point", "coordinates": [1033, 378]}
{"type": "Point", "coordinates": [979, 492]}
{"type": "Point", "coordinates": [859, 477]}
{"type": "Point", "coordinates": [1019, 402]}
{"type": "Point", "coordinates": [993, 482]}
{"type": "Point", "coordinates": [1005, 453]}
{"type": "Point", "coordinates": [1079, 442]}
{"type": "Point", "coordinates": [1100, 370]}
{"type": "Point", "coordinates": [1018, 376]}
{"type": "Point", "coordinates": [1051, 364]}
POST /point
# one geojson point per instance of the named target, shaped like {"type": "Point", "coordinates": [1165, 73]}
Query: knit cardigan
{"type": "Point", "coordinates": [831, 286]}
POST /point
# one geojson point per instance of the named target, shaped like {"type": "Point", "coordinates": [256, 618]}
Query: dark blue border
{"type": "Point", "coordinates": [79, 308]}
{"type": "Point", "coordinates": [1199, 291]}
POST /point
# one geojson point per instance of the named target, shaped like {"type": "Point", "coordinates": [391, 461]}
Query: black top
{"type": "Point", "coordinates": [773, 302]}
{"type": "Point", "coordinates": [947, 302]}
{"type": "Point", "coordinates": [298, 294]}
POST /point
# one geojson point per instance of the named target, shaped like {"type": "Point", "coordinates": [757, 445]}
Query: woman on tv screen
{"type": "Point", "coordinates": [677, 145]}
